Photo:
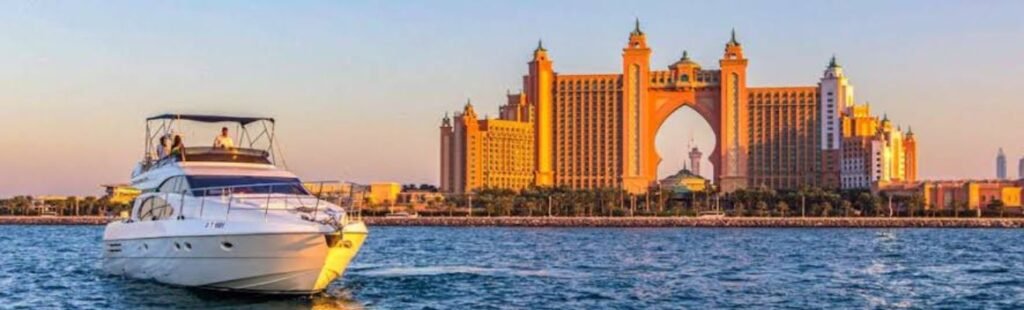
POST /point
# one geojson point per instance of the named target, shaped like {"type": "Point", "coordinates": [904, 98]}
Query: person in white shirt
{"type": "Point", "coordinates": [163, 148]}
{"type": "Point", "coordinates": [223, 141]}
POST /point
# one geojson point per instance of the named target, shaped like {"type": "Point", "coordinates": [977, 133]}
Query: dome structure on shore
{"type": "Point", "coordinates": [684, 182]}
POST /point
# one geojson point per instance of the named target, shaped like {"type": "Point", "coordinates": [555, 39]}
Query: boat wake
{"type": "Point", "coordinates": [411, 271]}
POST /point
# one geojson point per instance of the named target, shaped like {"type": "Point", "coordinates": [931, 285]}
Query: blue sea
{"type": "Point", "coordinates": [44, 267]}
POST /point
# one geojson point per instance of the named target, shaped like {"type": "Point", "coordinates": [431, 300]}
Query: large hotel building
{"type": "Point", "coordinates": [597, 130]}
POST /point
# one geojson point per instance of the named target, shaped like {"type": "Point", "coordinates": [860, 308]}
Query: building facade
{"type": "Point", "coordinates": [120, 193]}
{"type": "Point", "coordinates": [597, 130]}
{"type": "Point", "coordinates": [947, 195]}
{"type": "Point", "coordinates": [874, 153]}
{"type": "Point", "coordinates": [1020, 169]}
{"type": "Point", "coordinates": [482, 153]}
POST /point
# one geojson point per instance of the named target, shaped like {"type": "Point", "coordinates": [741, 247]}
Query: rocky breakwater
{"type": "Point", "coordinates": [55, 220]}
{"type": "Point", "coordinates": [793, 222]}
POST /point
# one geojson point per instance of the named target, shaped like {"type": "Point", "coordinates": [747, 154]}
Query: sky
{"type": "Point", "coordinates": [359, 87]}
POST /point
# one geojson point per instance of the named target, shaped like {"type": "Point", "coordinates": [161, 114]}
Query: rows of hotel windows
{"type": "Point", "coordinates": [661, 78]}
{"type": "Point", "coordinates": [783, 137]}
{"type": "Point", "coordinates": [614, 82]}
{"type": "Point", "coordinates": [830, 131]}
{"type": "Point", "coordinates": [507, 156]}
{"type": "Point", "coordinates": [509, 149]}
{"type": "Point", "coordinates": [472, 145]}
{"type": "Point", "coordinates": [855, 164]}
{"type": "Point", "coordinates": [587, 124]}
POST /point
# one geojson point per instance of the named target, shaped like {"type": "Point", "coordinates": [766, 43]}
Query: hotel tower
{"type": "Point", "coordinates": [597, 130]}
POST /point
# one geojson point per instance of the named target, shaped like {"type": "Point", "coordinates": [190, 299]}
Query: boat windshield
{"type": "Point", "coordinates": [215, 185]}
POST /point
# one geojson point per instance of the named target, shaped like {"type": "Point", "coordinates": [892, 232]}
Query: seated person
{"type": "Point", "coordinates": [223, 141]}
{"type": "Point", "coordinates": [177, 148]}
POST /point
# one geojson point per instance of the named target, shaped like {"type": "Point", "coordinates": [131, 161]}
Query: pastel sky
{"type": "Point", "coordinates": [359, 87]}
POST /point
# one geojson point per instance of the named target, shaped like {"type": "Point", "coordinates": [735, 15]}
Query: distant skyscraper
{"type": "Point", "coordinates": [695, 156]}
{"type": "Point", "coordinates": [1020, 169]}
{"type": "Point", "coordinates": [1001, 165]}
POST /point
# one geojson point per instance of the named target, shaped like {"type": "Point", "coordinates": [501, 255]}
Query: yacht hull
{"type": "Point", "coordinates": [273, 263]}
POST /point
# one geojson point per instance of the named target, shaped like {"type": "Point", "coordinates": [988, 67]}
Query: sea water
{"type": "Point", "coordinates": [572, 268]}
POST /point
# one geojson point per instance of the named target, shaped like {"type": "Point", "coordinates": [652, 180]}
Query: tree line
{"type": "Point", "coordinates": [764, 202]}
{"type": "Point", "coordinates": [72, 206]}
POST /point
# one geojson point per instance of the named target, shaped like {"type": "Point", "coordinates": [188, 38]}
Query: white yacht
{"type": "Point", "coordinates": [229, 218]}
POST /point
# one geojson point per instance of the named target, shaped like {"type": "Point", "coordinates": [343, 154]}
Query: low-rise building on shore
{"type": "Point", "coordinates": [960, 194]}
{"type": "Point", "coordinates": [120, 193]}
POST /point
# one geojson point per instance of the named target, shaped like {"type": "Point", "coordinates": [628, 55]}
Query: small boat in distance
{"type": "Point", "coordinates": [711, 214]}
{"type": "Point", "coordinates": [228, 218]}
{"type": "Point", "coordinates": [402, 215]}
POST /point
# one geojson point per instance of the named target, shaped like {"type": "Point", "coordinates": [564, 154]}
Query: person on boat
{"type": "Point", "coordinates": [163, 148]}
{"type": "Point", "coordinates": [177, 148]}
{"type": "Point", "coordinates": [223, 141]}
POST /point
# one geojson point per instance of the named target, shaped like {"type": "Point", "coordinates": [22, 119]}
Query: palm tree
{"type": "Point", "coordinates": [607, 200]}
{"type": "Point", "coordinates": [91, 205]}
{"type": "Point", "coordinates": [783, 208]}
{"type": "Point", "coordinates": [762, 208]}
{"type": "Point", "coordinates": [867, 203]}
{"type": "Point", "coordinates": [739, 208]}
{"type": "Point", "coordinates": [21, 204]}
{"type": "Point", "coordinates": [504, 204]}
{"type": "Point", "coordinates": [826, 209]}
{"type": "Point", "coordinates": [847, 207]}
{"type": "Point", "coordinates": [916, 203]}
{"type": "Point", "coordinates": [575, 203]}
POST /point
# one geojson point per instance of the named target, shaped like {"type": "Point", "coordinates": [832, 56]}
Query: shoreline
{"type": "Point", "coordinates": [55, 220]}
{"type": "Point", "coordinates": [727, 222]}
{"type": "Point", "coordinates": [624, 222]}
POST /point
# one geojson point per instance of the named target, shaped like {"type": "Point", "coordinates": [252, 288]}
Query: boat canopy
{"type": "Point", "coordinates": [253, 138]}
{"type": "Point", "coordinates": [210, 118]}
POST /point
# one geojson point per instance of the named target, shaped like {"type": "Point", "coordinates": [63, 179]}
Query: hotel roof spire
{"type": "Point", "coordinates": [540, 45]}
{"type": "Point", "coordinates": [636, 27]}
{"type": "Point", "coordinates": [732, 39]}
{"type": "Point", "coordinates": [832, 63]}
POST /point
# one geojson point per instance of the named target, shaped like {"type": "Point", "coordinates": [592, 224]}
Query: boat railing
{"type": "Point", "coordinates": [210, 154]}
{"type": "Point", "coordinates": [286, 192]}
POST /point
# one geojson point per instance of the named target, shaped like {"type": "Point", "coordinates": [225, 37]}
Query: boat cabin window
{"type": "Point", "coordinates": [175, 185]}
{"type": "Point", "coordinates": [154, 208]}
{"type": "Point", "coordinates": [210, 185]}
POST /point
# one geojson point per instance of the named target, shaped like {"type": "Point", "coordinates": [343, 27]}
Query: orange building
{"type": "Point", "coordinates": [963, 194]}
{"type": "Point", "coordinates": [598, 130]}
{"type": "Point", "coordinates": [874, 153]}
{"type": "Point", "coordinates": [485, 153]}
